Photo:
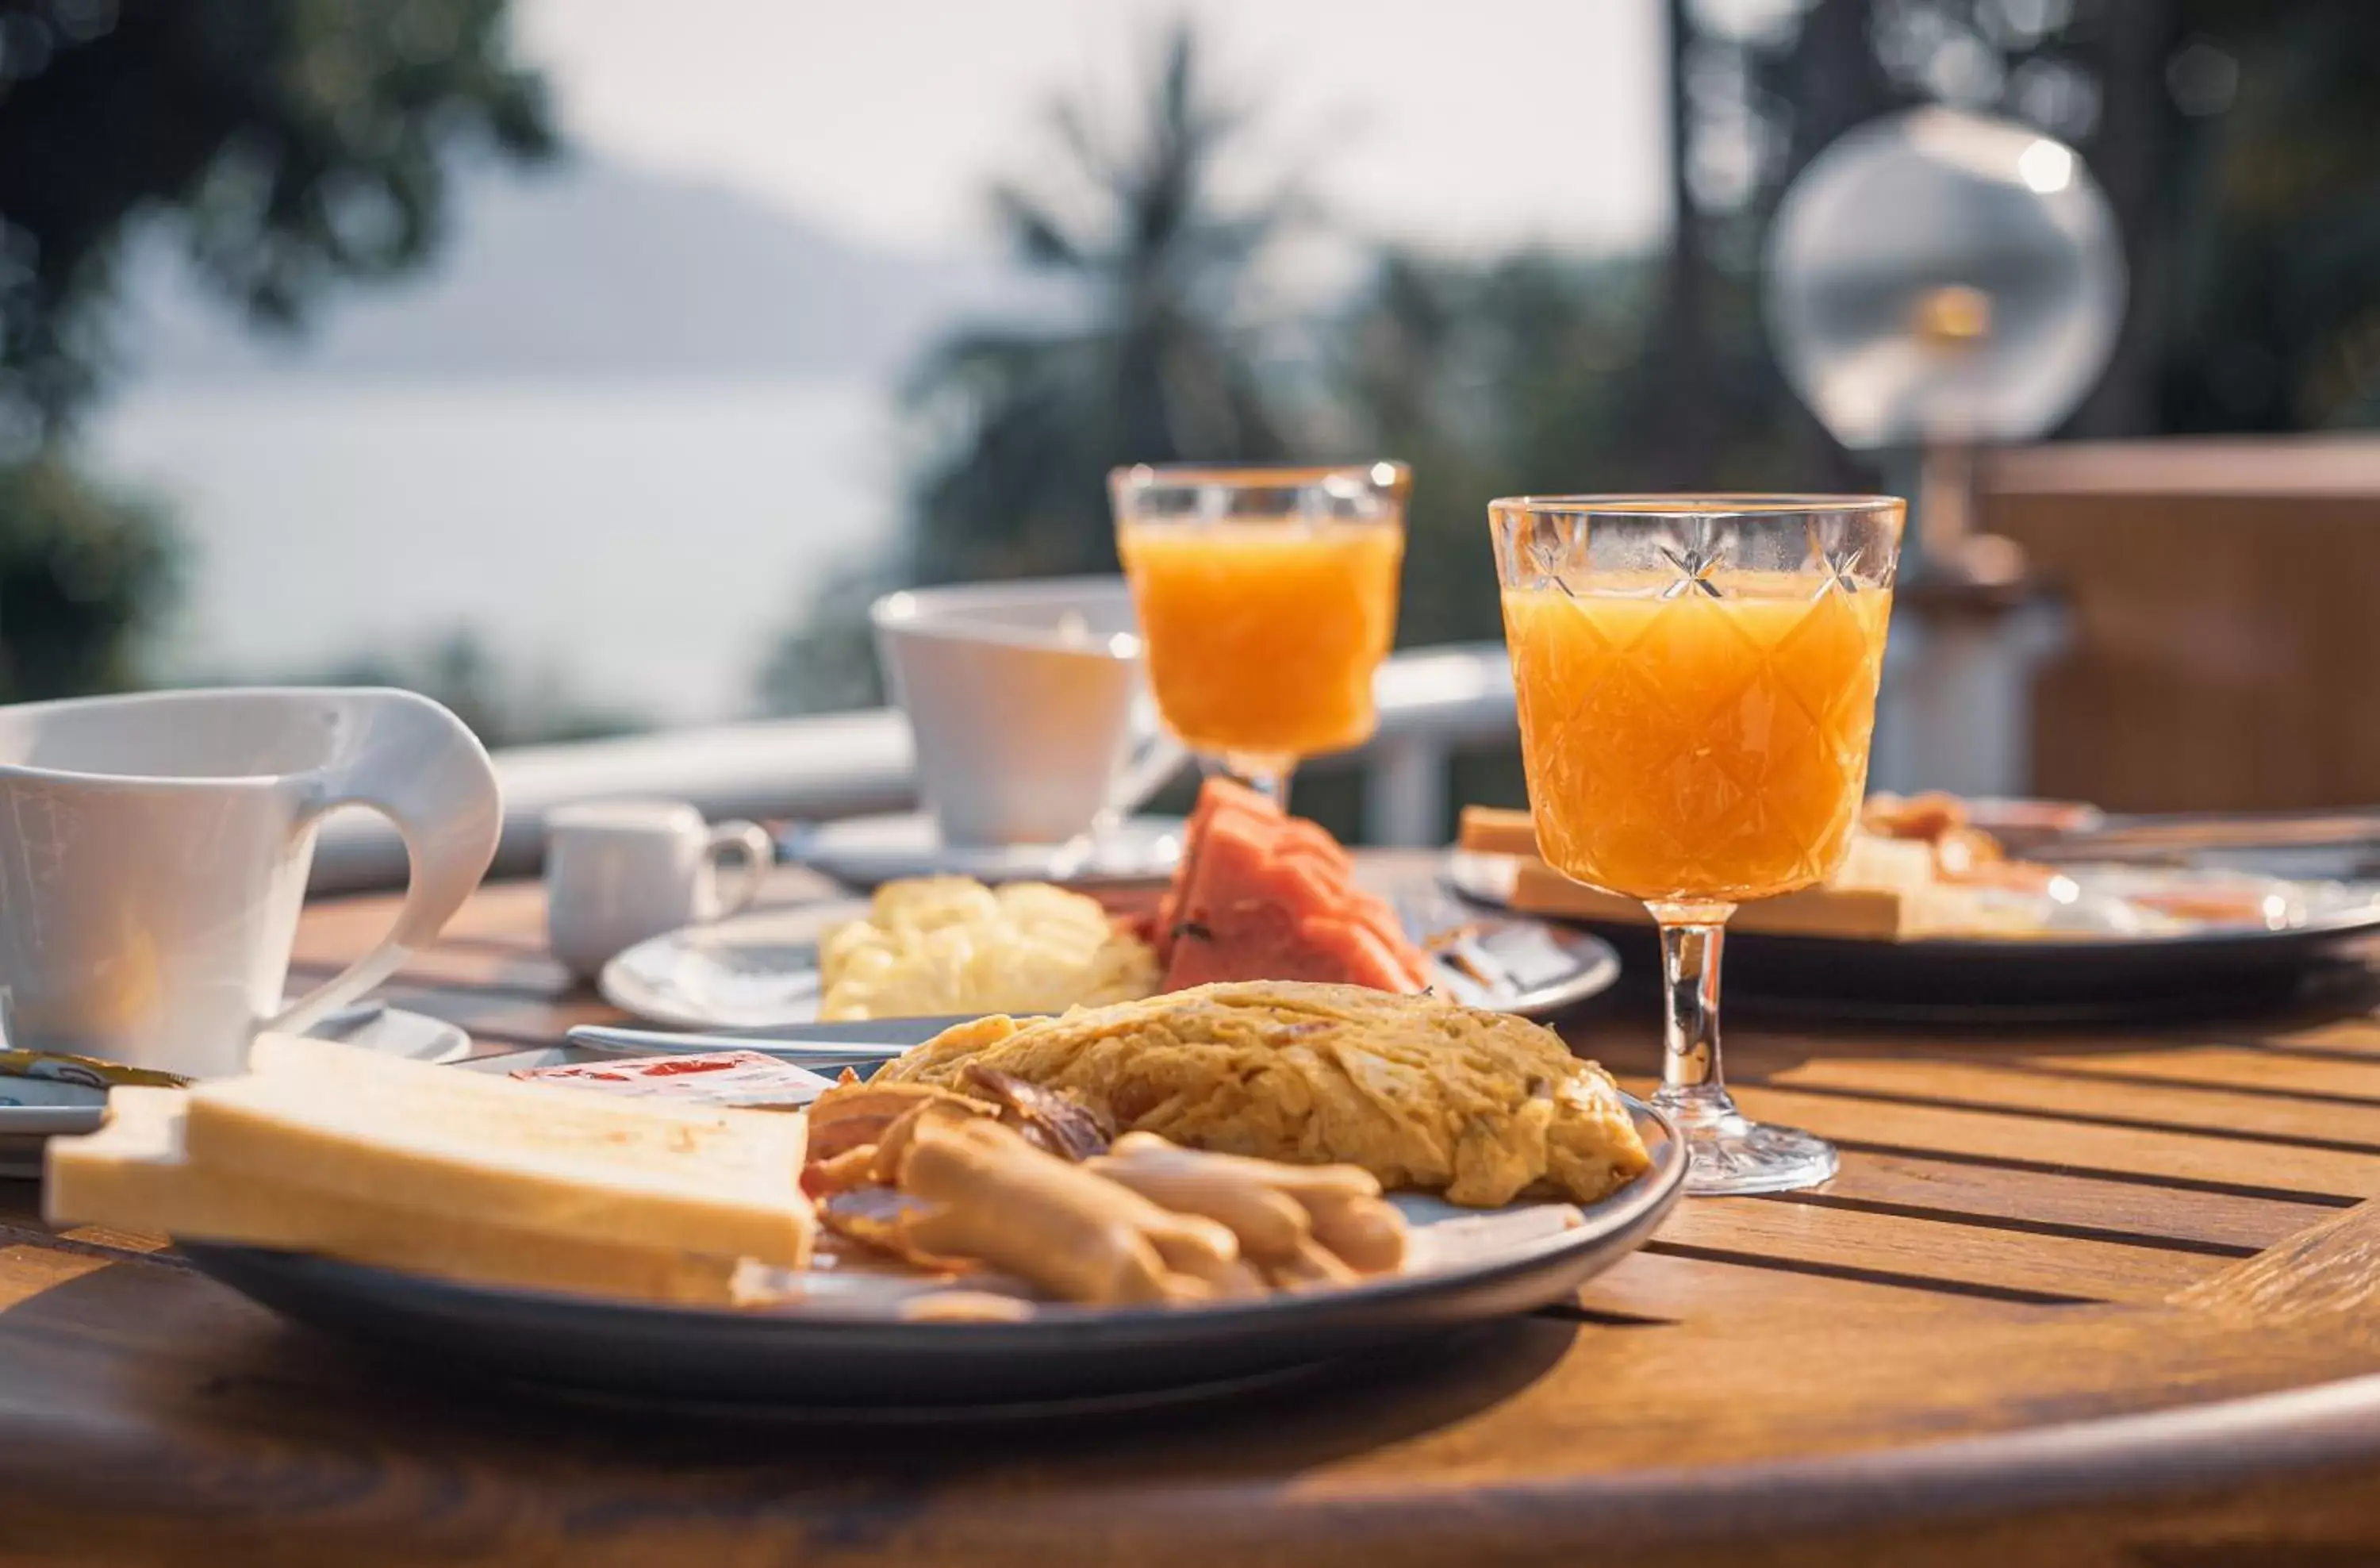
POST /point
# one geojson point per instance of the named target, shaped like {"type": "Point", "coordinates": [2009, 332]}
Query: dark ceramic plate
{"type": "Point", "coordinates": [2161, 975]}
{"type": "Point", "coordinates": [2144, 978]}
{"type": "Point", "coordinates": [814, 1360]}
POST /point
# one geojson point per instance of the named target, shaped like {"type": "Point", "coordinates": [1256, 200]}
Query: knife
{"type": "Point", "coordinates": [2181, 834]}
{"type": "Point", "coordinates": [813, 1051]}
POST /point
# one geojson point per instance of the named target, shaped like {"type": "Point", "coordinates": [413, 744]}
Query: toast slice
{"type": "Point", "coordinates": [547, 1160]}
{"type": "Point", "coordinates": [135, 1174]}
{"type": "Point", "coordinates": [1882, 891]}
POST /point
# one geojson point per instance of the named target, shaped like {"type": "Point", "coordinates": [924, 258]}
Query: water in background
{"type": "Point", "coordinates": [643, 542]}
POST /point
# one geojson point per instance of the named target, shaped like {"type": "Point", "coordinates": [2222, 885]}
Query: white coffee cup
{"type": "Point", "coordinates": [154, 853]}
{"type": "Point", "coordinates": [617, 871]}
{"type": "Point", "coordinates": [1027, 706]}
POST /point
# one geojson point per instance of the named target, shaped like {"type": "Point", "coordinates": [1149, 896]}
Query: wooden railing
{"type": "Point", "coordinates": [1433, 701]}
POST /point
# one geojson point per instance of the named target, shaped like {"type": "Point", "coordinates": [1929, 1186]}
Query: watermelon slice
{"type": "Point", "coordinates": [1216, 797]}
{"type": "Point", "coordinates": [1261, 895]}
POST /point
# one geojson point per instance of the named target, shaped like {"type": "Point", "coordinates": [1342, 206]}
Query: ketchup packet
{"type": "Point", "coordinates": [745, 1078]}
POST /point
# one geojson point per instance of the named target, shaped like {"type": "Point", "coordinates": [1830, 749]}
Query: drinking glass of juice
{"type": "Point", "coordinates": [1266, 597]}
{"type": "Point", "coordinates": [1697, 677]}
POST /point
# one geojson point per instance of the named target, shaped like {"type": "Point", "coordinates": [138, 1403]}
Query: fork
{"type": "Point", "coordinates": [1449, 933]}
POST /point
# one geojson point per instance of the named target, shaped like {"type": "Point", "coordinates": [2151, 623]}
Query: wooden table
{"type": "Point", "coordinates": [2103, 1299]}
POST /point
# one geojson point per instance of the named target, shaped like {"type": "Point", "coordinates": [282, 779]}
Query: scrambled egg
{"type": "Point", "coordinates": [950, 945]}
{"type": "Point", "coordinates": [1422, 1093]}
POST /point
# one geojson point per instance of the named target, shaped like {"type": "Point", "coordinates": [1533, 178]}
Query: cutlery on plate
{"type": "Point", "coordinates": [1450, 934]}
{"type": "Point", "coordinates": [2181, 834]}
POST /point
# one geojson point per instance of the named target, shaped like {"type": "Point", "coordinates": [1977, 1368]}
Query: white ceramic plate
{"type": "Point", "coordinates": [761, 970]}
{"type": "Point", "coordinates": [34, 1110]}
{"type": "Point", "coordinates": [864, 851]}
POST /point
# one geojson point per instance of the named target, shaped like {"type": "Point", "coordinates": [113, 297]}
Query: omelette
{"type": "Point", "coordinates": [1483, 1107]}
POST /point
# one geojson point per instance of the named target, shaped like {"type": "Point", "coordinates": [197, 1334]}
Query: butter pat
{"type": "Point", "coordinates": [135, 1174]}
{"type": "Point", "coordinates": [453, 1145]}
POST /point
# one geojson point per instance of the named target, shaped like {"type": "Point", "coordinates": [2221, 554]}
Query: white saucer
{"type": "Point", "coordinates": [750, 971]}
{"type": "Point", "coordinates": [34, 1110]}
{"type": "Point", "coordinates": [864, 851]}
{"type": "Point", "coordinates": [761, 970]}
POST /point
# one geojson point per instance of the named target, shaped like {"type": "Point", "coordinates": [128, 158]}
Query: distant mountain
{"type": "Point", "coordinates": [592, 269]}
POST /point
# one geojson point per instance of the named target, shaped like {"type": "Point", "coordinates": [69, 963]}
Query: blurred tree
{"type": "Point", "coordinates": [1541, 373]}
{"type": "Point", "coordinates": [2270, 208]}
{"type": "Point", "coordinates": [826, 662]}
{"type": "Point", "coordinates": [1019, 427]}
{"type": "Point", "coordinates": [1490, 380]}
{"type": "Point", "coordinates": [289, 144]}
{"type": "Point", "coordinates": [80, 569]}
{"type": "Point", "coordinates": [502, 707]}
{"type": "Point", "coordinates": [293, 143]}
{"type": "Point", "coordinates": [1160, 353]}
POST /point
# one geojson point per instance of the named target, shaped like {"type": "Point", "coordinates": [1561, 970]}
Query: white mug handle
{"type": "Point", "coordinates": [748, 843]}
{"type": "Point", "coordinates": [416, 764]}
{"type": "Point", "coordinates": [1152, 767]}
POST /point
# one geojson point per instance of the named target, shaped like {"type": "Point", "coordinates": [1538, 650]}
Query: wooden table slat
{"type": "Point", "coordinates": [1668, 1287]}
{"type": "Point", "coordinates": [2044, 1141]}
{"type": "Point", "coordinates": [2079, 1205]}
{"type": "Point", "coordinates": [2202, 1108]}
{"type": "Point", "coordinates": [26, 1270]}
{"type": "Point", "coordinates": [2339, 1037]}
{"type": "Point", "coordinates": [1937, 1250]}
{"type": "Point", "coordinates": [2240, 1069]}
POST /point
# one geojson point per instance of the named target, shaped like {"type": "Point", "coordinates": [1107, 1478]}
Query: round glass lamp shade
{"type": "Point", "coordinates": [1936, 276]}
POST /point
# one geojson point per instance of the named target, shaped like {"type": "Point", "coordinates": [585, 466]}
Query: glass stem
{"type": "Point", "coordinates": [1268, 776]}
{"type": "Point", "coordinates": [1692, 938]}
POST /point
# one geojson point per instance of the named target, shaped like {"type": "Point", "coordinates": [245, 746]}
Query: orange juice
{"type": "Point", "coordinates": [1692, 748]}
{"type": "Point", "coordinates": [1262, 637]}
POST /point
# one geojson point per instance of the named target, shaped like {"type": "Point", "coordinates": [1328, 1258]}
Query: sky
{"type": "Point", "coordinates": [1466, 126]}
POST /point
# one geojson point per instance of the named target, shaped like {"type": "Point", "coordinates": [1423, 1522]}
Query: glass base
{"type": "Point", "coordinates": [1727, 1152]}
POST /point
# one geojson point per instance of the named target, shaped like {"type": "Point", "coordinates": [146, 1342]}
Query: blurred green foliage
{"type": "Point", "coordinates": [1019, 427]}
{"type": "Point", "coordinates": [1535, 373]}
{"type": "Point", "coordinates": [81, 572]}
{"type": "Point", "coordinates": [1530, 371]}
{"type": "Point", "coordinates": [2269, 227]}
{"type": "Point", "coordinates": [1163, 355]}
{"type": "Point", "coordinates": [501, 705]}
{"type": "Point", "coordinates": [289, 145]}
